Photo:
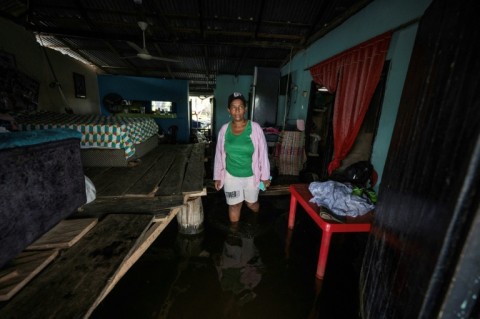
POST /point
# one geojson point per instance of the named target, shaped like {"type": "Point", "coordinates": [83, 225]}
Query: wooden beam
{"type": "Point", "coordinates": [142, 244]}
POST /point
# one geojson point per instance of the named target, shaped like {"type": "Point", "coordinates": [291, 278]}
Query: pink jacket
{"type": "Point", "coordinates": [260, 162]}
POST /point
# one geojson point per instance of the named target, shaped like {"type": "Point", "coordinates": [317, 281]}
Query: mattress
{"type": "Point", "coordinates": [98, 131]}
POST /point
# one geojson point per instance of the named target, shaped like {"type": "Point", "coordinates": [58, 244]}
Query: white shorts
{"type": "Point", "coordinates": [238, 189]}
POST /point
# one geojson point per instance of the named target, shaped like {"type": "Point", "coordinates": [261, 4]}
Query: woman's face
{"type": "Point", "coordinates": [237, 109]}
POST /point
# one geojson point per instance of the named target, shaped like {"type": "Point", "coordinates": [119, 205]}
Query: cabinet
{"type": "Point", "coordinates": [264, 96]}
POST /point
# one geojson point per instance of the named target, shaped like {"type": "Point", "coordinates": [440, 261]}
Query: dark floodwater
{"type": "Point", "coordinates": [241, 273]}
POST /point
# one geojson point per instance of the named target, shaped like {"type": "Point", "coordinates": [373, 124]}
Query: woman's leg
{"type": "Point", "coordinates": [234, 212]}
{"type": "Point", "coordinates": [234, 195]}
{"type": "Point", "coordinates": [251, 195]}
{"type": "Point", "coordinates": [254, 207]}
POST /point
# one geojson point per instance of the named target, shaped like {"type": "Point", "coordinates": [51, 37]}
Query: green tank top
{"type": "Point", "coordinates": [239, 150]}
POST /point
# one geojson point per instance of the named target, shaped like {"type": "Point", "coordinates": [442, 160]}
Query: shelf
{"type": "Point", "coordinates": [159, 116]}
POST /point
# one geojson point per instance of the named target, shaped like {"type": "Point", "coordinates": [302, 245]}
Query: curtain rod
{"type": "Point", "coordinates": [400, 27]}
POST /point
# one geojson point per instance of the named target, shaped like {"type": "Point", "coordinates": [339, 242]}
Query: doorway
{"type": "Point", "coordinates": [319, 128]}
{"type": "Point", "coordinates": [319, 132]}
{"type": "Point", "coordinates": [201, 111]}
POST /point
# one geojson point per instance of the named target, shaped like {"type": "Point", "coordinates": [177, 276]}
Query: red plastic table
{"type": "Point", "coordinates": [301, 195]}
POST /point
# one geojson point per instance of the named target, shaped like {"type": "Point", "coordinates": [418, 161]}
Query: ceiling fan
{"type": "Point", "coordinates": [143, 52]}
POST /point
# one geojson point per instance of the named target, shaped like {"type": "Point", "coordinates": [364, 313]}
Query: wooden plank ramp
{"type": "Point", "coordinates": [77, 281]}
{"type": "Point", "coordinates": [64, 235]}
{"type": "Point", "coordinates": [22, 270]}
{"type": "Point", "coordinates": [142, 244]}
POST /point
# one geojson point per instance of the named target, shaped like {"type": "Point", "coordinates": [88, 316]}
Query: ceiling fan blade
{"type": "Point", "coordinates": [114, 67]}
{"type": "Point", "coordinates": [164, 59]}
{"type": "Point", "coordinates": [129, 57]}
{"type": "Point", "coordinates": [143, 52]}
{"type": "Point", "coordinates": [135, 46]}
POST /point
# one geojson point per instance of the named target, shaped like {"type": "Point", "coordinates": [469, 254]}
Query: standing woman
{"type": "Point", "coordinates": [241, 159]}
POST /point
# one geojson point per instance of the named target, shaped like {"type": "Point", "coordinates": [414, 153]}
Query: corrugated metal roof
{"type": "Point", "coordinates": [208, 37]}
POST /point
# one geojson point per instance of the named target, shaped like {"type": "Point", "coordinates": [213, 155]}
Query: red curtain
{"type": "Point", "coordinates": [353, 76]}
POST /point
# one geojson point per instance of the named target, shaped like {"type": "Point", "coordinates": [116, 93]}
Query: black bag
{"type": "Point", "coordinates": [358, 174]}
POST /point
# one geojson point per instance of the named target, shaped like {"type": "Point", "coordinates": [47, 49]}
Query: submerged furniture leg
{"type": "Point", "coordinates": [323, 254]}
{"type": "Point", "coordinates": [293, 209]}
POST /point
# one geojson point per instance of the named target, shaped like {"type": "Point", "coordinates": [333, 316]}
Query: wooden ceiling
{"type": "Point", "coordinates": [207, 37]}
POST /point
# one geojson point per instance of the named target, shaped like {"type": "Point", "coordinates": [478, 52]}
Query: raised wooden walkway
{"type": "Point", "coordinates": [133, 206]}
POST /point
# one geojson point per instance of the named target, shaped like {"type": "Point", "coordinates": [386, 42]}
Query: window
{"type": "Point", "coordinates": [163, 107]}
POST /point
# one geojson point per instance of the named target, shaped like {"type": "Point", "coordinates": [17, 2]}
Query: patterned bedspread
{"type": "Point", "coordinates": [97, 130]}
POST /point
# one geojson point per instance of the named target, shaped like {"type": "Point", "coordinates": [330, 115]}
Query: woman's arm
{"type": "Point", "coordinates": [262, 149]}
{"type": "Point", "coordinates": [219, 161]}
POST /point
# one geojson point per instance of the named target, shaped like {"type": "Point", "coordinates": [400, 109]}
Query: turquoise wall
{"type": "Point", "coordinates": [378, 17]}
{"type": "Point", "coordinates": [144, 89]}
{"type": "Point", "coordinates": [226, 85]}
{"type": "Point", "coordinates": [399, 54]}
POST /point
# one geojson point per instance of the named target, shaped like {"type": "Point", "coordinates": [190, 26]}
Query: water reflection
{"type": "Point", "coordinates": [239, 270]}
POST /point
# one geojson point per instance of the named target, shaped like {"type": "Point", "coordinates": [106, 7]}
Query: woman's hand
{"type": "Point", "coordinates": [217, 185]}
{"type": "Point", "coordinates": [266, 183]}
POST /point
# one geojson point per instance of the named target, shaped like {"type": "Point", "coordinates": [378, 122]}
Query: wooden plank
{"type": "Point", "coordinates": [123, 205]}
{"type": "Point", "coordinates": [195, 170]}
{"type": "Point", "coordinates": [22, 270]}
{"type": "Point", "coordinates": [187, 196]}
{"type": "Point", "coordinates": [4, 276]}
{"type": "Point", "coordinates": [172, 183]}
{"type": "Point", "coordinates": [94, 173]}
{"type": "Point", "coordinates": [141, 246]}
{"type": "Point", "coordinates": [117, 180]}
{"type": "Point", "coordinates": [69, 287]}
{"type": "Point", "coordinates": [64, 235]}
{"type": "Point", "coordinates": [148, 183]}
{"type": "Point", "coordinates": [276, 190]}
{"type": "Point", "coordinates": [98, 177]}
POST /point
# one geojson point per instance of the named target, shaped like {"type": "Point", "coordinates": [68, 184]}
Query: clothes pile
{"type": "Point", "coordinates": [340, 198]}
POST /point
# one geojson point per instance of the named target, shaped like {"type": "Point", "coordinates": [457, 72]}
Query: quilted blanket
{"type": "Point", "coordinates": [97, 130]}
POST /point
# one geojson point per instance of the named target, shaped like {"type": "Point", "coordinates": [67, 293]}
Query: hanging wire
{"type": "Point", "coordinates": [68, 109]}
{"type": "Point", "coordinates": [285, 112]}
